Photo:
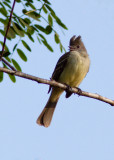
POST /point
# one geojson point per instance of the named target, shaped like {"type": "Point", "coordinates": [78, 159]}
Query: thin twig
{"type": "Point", "coordinates": [56, 84]}
{"type": "Point", "coordinates": [8, 26]}
{"type": "Point", "coordinates": [7, 29]}
{"type": "Point", "coordinates": [8, 64]}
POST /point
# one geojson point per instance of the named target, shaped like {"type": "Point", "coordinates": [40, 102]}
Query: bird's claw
{"type": "Point", "coordinates": [68, 91]}
{"type": "Point", "coordinates": [79, 91]}
{"type": "Point", "coordinates": [69, 88]}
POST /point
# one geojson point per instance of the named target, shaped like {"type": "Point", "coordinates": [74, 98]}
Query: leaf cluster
{"type": "Point", "coordinates": [28, 24]}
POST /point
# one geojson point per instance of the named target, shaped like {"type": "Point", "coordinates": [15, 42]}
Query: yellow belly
{"type": "Point", "coordinates": [75, 70]}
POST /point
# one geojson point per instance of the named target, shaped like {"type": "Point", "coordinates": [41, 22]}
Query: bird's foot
{"type": "Point", "coordinates": [69, 88]}
{"type": "Point", "coordinates": [79, 91]}
{"type": "Point", "coordinates": [68, 91]}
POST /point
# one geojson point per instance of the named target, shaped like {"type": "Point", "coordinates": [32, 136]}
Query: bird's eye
{"type": "Point", "coordinates": [78, 46]}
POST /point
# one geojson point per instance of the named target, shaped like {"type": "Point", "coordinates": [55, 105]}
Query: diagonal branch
{"type": "Point", "coordinates": [56, 84]}
{"type": "Point", "coordinates": [9, 23]}
{"type": "Point", "coordinates": [8, 64]}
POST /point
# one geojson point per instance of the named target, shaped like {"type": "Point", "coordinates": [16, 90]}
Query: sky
{"type": "Point", "coordinates": [82, 128]}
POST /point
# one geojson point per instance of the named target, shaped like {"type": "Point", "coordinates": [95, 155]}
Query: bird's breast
{"type": "Point", "coordinates": [75, 70]}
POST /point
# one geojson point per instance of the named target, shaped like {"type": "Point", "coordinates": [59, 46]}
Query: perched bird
{"type": "Point", "coordinates": [70, 69]}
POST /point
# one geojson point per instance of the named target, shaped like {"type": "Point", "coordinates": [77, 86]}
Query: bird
{"type": "Point", "coordinates": [70, 69]}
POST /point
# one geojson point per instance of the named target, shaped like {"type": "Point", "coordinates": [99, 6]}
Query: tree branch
{"type": "Point", "coordinates": [56, 84]}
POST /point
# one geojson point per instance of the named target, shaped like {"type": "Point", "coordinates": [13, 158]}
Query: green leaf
{"type": "Point", "coordinates": [18, 29]}
{"type": "Point", "coordinates": [39, 40]}
{"type": "Point", "coordinates": [31, 30]}
{"type": "Point", "coordinates": [4, 21]}
{"type": "Point", "coordinates": [7, 5]}
{"type": "Point", "coordinates": [49, 8]}
{"type": "Point", "coordinates": [29, 1]}
{"type": "Point", "coordinates": [51, 11]}
{"type": "Point", "coordinates": [14, 47]}
{"type": "Point", "coordinates": [42, 36]}
{"type": "Point", "coordinates": [40, 28]}
{"type": "Point", "coordinates": [23, 22]}
{"type": "Point", "coordinates": [8, 1]}
{"type": "Point", "coordinates": [30, 4]}
{"type": "Point", "coordinates": [5, 53]}
{"type": "Point", "coordinates": [3, 11]}
{"type": "Point", "coordinates": [54, 15]}
{"type": "Point", "coordinates": [1, 76]}
{"type": "Point", "coordinates": [56, 36]}
{"type": "Point", "coordinates": [8, 59]}
{"type": "Point", "coordinates": [56, 18]}
{"type": "Point", "coordinates": [11, 33]}
{"type": "Point", "coordinates": [16, 65]}
{"type": "Point", "coordinates": [61, 48]}
{"type": "Point", "coordinates": [61, 24]}
{"type": "Point", "coordinates": [48, 29]}
{"type": "Point", "coordinates": [18, 1]}
{"type": "Point", "coordinates": [30, 37]}
{"type": "Point", "coordinates": [1, 4]}
{"type": "Point", "coordinates": [47, 45]}
{"type": "Point", "coordinates": [50, 20]}
{"type": "Point", "coordinates": [21, 54]}
{"type": "Point", "coordinates": [32, 14]}
{"type": "Point", "coordinates": [6, 48]}
{"type": "Point", "coordinates": [12, 77]}
{"type": "Point", "coordinates": [26, 45]}
{"type": "Point", "coordinates": [44, 9]}
{"type": "Point", "coordinates": [27, 21]}
{"type": "Point", "coordinates": [2, 32]}
{"type": "Point", "coordinates": [46, 1]}
{"type": "Point", "coordinates": [15, 15]}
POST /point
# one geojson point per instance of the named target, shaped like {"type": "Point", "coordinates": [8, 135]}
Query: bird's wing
{"type": "Point", "coordinates": [59, 67]}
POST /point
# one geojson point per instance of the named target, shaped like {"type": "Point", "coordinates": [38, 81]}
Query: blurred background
{"type": "Point", "coordinates": [82, 128]}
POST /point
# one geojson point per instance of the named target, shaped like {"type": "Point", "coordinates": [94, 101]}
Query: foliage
{"type": "Point", "coordinates": [28, 23]}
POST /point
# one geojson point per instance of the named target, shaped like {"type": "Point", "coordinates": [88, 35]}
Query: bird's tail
{"type": "Point", "coordinates": [46, 115]}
